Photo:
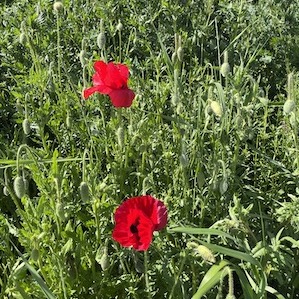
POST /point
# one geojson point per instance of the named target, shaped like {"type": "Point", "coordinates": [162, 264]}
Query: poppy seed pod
{"type": "Point", "coordinates": [101, 40]}
{"type": "Point", "coordinates": [19, 187]}
{"type": "Point", "coordinates": [84, 191]}
{"type": "Point", "coordinates": [26, 126]}
{"type": "Point", "coordinates": [216, 108]}
{"type": "Point", "coordinates": [57, 6]}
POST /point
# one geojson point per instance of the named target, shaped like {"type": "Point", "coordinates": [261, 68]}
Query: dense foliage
{"type": "Point", "coordinates": [212, 132]}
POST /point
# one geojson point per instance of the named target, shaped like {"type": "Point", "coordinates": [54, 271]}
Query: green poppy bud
{"type": "Point", "coordinates": [19, 187]}
{"type": "Point", "coordinates": [35, 254]}
{"type": "Point", "coordinates": [26, 126]}
{"type": "Point", "coordinates": [216, 108]}
{"type": "Point", "coordinates": [23, 38]}
{"type": "Point", "coordinates": [180, 53]}
{"type": "Point", "coordinates": [58, 6]}
{"type": "Point", "coordinates": [288, 106]}
{"type": "Point", "coordinates": [101, 40]}
{"type": "Point", "coordinates": [84, 191]}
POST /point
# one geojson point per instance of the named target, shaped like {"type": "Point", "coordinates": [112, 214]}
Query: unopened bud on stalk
{"type": "Point", "coordinates": [104, 262]}
{"type": "Point", "coordinates": [225, 68]}
{"type": "Point", "coordinates": [23, 38]}
{"type": "Point", "coordinates": [60, 212]}
{"type": "Point", "coordinates": [174, 57]}
{"type": "Point", "coordinates": [216, 108]}
{"type": "Point", "coordinates": [35, 254]}
{"type": "Point", "coordinates": [82, 57]}
{"type": "Point", "coordinates": [120, 136]}
{"type": "Point", "coordinates": [119, 26]}
{"type": "Point", "coordinates": [180, 53]}
{"type": "Point", "coordinates": [68, 121]}
{"type": "Point", "coordinates": [101, 40]}
{"type": "Point", "coordinates": [288, 106]}
{"type": "Point", "coordinates": [201, 250]}
{"type": "Point", "coordinates": [19, 187]}
{"type": "Point", "coordinates": [58, 6]}
{"type": "Point", "coordinates": [26, 126]}
{"type": "Point", "coordinates": [5, 191]}
{"type": "Point", "coordinates": [84, 191]}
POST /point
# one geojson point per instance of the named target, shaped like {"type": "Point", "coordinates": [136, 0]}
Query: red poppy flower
{"type": "Point", "coordinates": [136, 219]}
{"type": "Point", "coordinates": [111, 79]}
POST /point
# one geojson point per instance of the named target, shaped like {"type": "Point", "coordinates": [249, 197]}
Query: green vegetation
{"type": "Point", "coordinates": [212, 132]}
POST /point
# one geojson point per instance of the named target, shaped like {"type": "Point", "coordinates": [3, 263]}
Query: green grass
{"type": "Point", "coordinates": [229, 177]}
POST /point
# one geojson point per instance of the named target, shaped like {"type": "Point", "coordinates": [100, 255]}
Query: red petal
{"type": "Point", "coordinates": [100, 67]}
{"type": "Point", "coordinates": [89, 91]}
{"type": "Point", "coordinates": [113, 77]}
{"type": "Point", "coordinates": [124, 72]}
{"type": "Point", "coordinates": [125, 217]}
{"type": "Point", "coordinates": [122, 97]}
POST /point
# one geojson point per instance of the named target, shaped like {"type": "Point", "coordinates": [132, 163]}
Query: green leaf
{"type": "Point", "coordinates": [212, 277]}
{"type": "Point", "coordinates": [36, 276]}
{"type": "Point", "coordinates": [231, 252]}
{"type": "Point", "coordinates": [200, 231]}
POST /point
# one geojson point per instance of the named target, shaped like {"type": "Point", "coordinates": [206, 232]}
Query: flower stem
{"type": "Point", "coordinates": [146, 276]}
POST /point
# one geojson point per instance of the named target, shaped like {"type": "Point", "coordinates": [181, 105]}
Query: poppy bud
{"type": "Point", "coordinates": [57, 6]}
{"type": "Point", "coordinates": [35, 254]}
{"type": "Point", "coordinates": [180, 53]}
{"type": "Point", "coordinates": [201, 250]}
{"type": "Point", "coordinates": [174, 57]}
{"type": "Point", "coordinates": [84, 191]}
{"type": "Point", "coordinates": [5, 191]}
{"type": "Point", "coordinates": [288, 106]}
{"type": "Point", "coordinates": [60, 211]}
{"type": "Point", "coordinates": [104, 261]}
{"type": "Point", "coordinates": [119, 26]}
{"type": "Point", "coordinates": [68, 121]}
{"type": "Point", "coordinates": [23, 38]}
{"type": "Point", "coordinates": [224, 69]}
{"type": "Point", "coordinates": [19, 187]}
{"type": "Point", "coordinates": [82, 57]}
{"type": "Point", "coordinates": [216, 108]}
{"type": "Point", "coordinates": [26, 126]}
{"type": "Point", "coordinates": [120, 136]}
{"type": "Point", "coordinates": [101, 40]}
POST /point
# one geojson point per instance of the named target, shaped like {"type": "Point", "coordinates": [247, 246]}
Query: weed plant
{"type": "Point", "coordinates": [213, 135]}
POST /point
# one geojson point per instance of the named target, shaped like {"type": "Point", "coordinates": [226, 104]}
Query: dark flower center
{"type": "Point", "coordinates": [133, 229]}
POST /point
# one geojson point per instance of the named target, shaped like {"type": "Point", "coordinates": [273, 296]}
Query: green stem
{"type": "Point", "coordinates": [146, 276]}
